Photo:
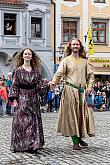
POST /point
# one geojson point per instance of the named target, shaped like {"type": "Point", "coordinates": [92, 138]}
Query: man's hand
{"type": "Point", "coordinates": [88, 90]}
{"type": "Point", "coordinates": [51, 84]}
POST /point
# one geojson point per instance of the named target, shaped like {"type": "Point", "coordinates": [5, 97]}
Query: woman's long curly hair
{"type": "Point", "coordinates": [68, 50]}
{"type": "Point", "coordinates": [18, 60]}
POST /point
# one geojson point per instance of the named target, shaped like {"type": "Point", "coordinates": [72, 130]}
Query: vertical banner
{"type": "Point", "coordinates": [90, 41]}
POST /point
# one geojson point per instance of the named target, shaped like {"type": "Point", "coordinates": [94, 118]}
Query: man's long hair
{"type": "Point", "coordinates": [68, 50]}
{"type": "Point", "coordinates": [35, 61]}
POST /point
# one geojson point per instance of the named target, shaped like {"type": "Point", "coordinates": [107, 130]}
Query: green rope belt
{"type": "Point", "coordinates": [81, 89]}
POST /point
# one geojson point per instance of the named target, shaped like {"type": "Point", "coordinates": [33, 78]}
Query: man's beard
{"type": "Point", "coordinates": [75, 50]}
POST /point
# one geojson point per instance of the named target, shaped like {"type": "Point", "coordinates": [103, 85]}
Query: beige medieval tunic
{"type": "Point", "coordinates": [77, 72]}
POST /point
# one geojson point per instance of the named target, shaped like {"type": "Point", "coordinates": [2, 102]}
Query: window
{"type": "Point", "coordinates": [99, 1]}
{"type": "Point", "coordinates": [9, 24]}
{"type": "Point", "coordinates": [69, 30]}
{"type": "Point", "coordinates": [99, 32]}
{"type": "Point", "coordinates": [36, 27]}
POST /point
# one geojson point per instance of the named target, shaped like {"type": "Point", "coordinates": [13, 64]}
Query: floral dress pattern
{"type": "Point", "coordinates": [27, 129]}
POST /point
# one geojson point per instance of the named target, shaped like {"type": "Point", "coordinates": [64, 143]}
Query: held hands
{"type": "Point", "coordinates": [88, 90]}
{"type": "Point", "coordinates": [15, 104]}
{"type": "Point", "coordinates": [51, 85]}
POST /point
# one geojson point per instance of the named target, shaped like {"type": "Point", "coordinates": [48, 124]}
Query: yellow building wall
{"type": "Point", "coordinates": [99, 13]}
{"type": "Point", "coordinates": [75, 12]}
{"type": "Point", "coordinates": [101, 48]}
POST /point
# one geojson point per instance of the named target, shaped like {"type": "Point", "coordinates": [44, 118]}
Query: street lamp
{"type": "Point", "coordinates": [61, 49]}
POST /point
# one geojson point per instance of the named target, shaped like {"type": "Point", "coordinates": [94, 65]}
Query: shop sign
{"type": "Point", "coordinates": [99, 60]}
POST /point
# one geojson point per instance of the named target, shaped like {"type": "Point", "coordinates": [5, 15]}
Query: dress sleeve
{"type": "Point", "coordinates": [60, 72]}
{"type": "Point", "coordinates": [14, 90]}
{"type": "Point", "coordinates": [42, 86]}
{"type": "Point", "coordinates": [90, 75]}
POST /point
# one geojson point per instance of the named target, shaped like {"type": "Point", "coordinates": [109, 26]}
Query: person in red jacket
{"type": "Point", "coordinates": [4, 97]}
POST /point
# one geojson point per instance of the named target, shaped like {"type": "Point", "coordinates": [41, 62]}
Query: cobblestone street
{"type": "Point", "coordinates": [58, 149]}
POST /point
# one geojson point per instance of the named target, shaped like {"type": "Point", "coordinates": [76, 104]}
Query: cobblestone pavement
{"type": "Point", "coordinates": [58, 149]}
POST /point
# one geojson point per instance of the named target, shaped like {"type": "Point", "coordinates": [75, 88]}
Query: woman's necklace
{"type": "Point", "coordinates": [28, 68]}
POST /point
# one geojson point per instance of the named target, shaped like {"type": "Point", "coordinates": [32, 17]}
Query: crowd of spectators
{"type": "Point", "coordinates": [6, 106]}
{"type": "Point", "coordinates": [99, 98]}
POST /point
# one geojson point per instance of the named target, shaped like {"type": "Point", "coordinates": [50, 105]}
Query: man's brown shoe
{"type": "Point", "coordinates": [76, 147]}
{"type": "Point", "coordinates": [82, 143]}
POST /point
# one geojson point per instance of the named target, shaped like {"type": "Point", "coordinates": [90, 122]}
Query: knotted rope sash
{"type": "Point", "coordinates": [81, 91]}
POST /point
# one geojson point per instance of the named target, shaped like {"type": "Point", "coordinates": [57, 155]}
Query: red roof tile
{"type": "Point", "coordinates": [13, 2]}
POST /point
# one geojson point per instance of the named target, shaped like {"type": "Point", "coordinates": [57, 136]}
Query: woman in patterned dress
{"type": "Point", "coordinates": [27, 87]}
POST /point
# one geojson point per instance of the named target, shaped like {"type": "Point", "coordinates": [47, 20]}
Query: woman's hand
{"type": "Point", "coordinates": [15, 104]}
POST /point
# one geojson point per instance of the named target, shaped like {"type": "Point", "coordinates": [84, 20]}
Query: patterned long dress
{"type": "Point", "coordinates": [27, 129]}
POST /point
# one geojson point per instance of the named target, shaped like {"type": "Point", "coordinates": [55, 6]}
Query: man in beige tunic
{"type": "Point", "coordinates": [75, 118]}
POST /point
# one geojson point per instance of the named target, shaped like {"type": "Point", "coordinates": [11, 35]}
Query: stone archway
{"type": "Point", "coordinates": [15, 54]}
{"type": "Point", "coordinates": [3, 63]}
{"type": "Point", "coordinates": [6, 66]}
{"type": "Point", "coordinates": [45, 72]}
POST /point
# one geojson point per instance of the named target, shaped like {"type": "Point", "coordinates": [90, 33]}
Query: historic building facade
{"type": "Point", "coordinates": [25, 24]}
{"type": "Point", "coordinates": [72, 20]}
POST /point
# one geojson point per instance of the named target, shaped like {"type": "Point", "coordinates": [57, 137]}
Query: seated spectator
{"type": "Point", "coordinates": [89, 100]}
{"type": "Point", "coordinates": [104, 104]}
{"type": "Point", "coordinates": [98, 100]}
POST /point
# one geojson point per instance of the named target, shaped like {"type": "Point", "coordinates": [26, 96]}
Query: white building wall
{"type": "Point", "coordinates": [109, 33]}
{"type": "Point", "coordinates": [21, 29]}
{"type": "Point", "coordinates": [0, 22]}
{"type": "Point", "coordinates": [0, 27]}
{"type": "Point", "coordinates": [85, 22]}
{"type": "Point", "coordinates": [58, 24]}
{"type": "Point", "coordinates": [12, 44]}
{"type": "Point", "coordinates": [44, 51]}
